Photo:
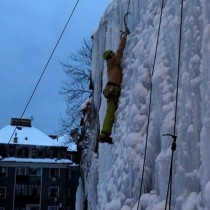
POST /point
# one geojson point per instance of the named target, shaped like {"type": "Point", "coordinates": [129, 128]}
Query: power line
{"type": "Point", "coordinates": [48, 61]}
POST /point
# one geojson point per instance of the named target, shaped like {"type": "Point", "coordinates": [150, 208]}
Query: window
{"type": "Point", "coordinates": [53, 192]}
{"type": "Point", "coordinates": [33, 152]}
{"type": "Point", "coordinates": [2, 192]}
{"type": "Point", "coordinates": [53, 208]}
{"type": "Point", "coordinates": [19, 151]}
{"type": "Point", "coordinates": [40, 152]}
{"type": "Point", "coordinates": [69, 193]}
{"type": "Point", "coordinates": [70, 174]}
{"type": "Point", "coordinates": [21, 189]}
{"type": "Point", "coordinates": [3, 171]}
{"type": "Point", "coordinates": [26, 152]}
{"type": "Point", "coordinates": [20, 208]}
{"type": "Point", "coordinates": [47, 152]}
{"type": "Point", "coordinates": [11, 150]}
{"type": "Point", "coordinates": [54, 172]}
{"type": "Point", "coordinates": [70, 156]}
{"type": "Point", "coordinates": [34, 172]}
{"type": "Point", "coordinates": [21, 171]}
{"type": "Point", "coordinates": [32, 207]}
{"type": "Point", "coordinates": [27, 189]}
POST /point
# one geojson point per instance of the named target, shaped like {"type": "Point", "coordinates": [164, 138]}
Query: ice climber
{"type": "Point", "coordinates": [112, 89]}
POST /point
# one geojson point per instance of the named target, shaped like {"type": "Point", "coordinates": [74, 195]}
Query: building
{"type": "Point", "coordinates": [35, 172]}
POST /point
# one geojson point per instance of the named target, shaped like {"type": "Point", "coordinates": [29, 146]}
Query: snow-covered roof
{"type": "Point", "coordinates": [26, 136]}
{"type": "Point", "coordinates": [37, 160]}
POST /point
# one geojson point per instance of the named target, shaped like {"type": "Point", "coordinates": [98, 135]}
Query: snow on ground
{"type": "Point", "coordinates": [119, 166]}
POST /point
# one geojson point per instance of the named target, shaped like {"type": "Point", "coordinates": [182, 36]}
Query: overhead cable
{"type": "Point", "coordinates": [48, 61]}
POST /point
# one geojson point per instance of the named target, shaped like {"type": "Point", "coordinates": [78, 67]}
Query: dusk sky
{"type": "Point", "coordinates": [29, 32]}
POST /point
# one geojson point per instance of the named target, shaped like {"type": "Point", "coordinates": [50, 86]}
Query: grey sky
{"type": "Point", "coordinates": [29, 32]}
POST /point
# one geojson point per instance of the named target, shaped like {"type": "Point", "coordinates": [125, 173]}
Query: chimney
{"type": "Point", "coordinates": [21, 122]}
{"type": "Point", "coordinates": [15, 139]}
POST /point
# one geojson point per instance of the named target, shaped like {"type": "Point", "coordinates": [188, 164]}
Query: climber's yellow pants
{"type": "Point", "coordinates": [111, 93]}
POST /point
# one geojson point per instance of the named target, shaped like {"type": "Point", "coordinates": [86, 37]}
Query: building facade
{"type": "Point", "coordinates": [35, 174]}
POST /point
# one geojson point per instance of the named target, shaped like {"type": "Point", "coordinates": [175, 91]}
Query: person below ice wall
{"type": "Point", "coordinates": [112, 89]}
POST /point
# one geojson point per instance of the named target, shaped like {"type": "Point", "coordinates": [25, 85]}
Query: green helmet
{"type": "Point", "coordinates": [106, 54]}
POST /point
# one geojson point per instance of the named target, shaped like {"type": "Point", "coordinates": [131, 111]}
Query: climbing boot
{"type": "Point", "coordinates": [105, 138]}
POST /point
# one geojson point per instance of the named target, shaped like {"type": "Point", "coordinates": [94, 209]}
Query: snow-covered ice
{"type": "Point", "coordinates": [113, 176]}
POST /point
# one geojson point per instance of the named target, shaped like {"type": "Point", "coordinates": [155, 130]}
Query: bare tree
{"type": "Point", "coordinates": [76, 88]}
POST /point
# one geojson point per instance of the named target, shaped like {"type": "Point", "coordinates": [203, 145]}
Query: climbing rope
{"type": "Point", "coordinates": [169, 189]}
{"type": "Point", "coordinates": [48, 61]}
{"type": "Point", "coordinates": [174, 137]}
{"type": "Point", "coordinates": [150, 103]}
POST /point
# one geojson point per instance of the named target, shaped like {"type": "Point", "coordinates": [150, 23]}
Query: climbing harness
{"type": "Point", "coordinates": [174, 137]}
{"type": "Point", "coordinates": [150, 104]}
{"type": "Point", "coordinates": [48, 61]}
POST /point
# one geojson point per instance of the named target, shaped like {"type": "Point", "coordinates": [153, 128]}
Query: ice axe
{"type": "Point", "coordinates": [127, 31]}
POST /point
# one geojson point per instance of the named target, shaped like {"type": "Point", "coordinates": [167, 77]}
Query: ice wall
{"type": "Point", "coordinates": [119, 166]}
